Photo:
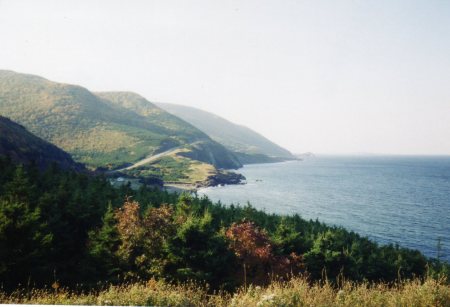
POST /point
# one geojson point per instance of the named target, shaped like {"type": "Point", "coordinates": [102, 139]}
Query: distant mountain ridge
{"type": "Point", "coordinates": [202, 148]}
{"type": "Point", "coordinates": [106, 130]}
{"type": "Point", "coordinates": [21, 146]}
{"type": "Point", "coordinates": [247, 144]}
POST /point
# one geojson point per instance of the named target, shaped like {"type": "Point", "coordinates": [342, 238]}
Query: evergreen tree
{"type": "Point", "coordinates": [198, 252]}
{"type": "Point", "coordinates": [19, 188]}
{"type": "Point", "coordinates": [330, 255]}
{"type": "Point", "coordinates": [103, 246]}
{"type": "Point", "coordinates": [24, 240]}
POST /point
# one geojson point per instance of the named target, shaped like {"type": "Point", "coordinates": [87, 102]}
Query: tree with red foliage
{"type": "Point", "coordinates": [250, 244]}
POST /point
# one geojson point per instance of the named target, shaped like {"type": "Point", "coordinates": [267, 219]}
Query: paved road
{"type": "Point", "coordinates": [148, 159]}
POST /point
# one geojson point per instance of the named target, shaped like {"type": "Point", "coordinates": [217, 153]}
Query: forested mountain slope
{"type": "Point", "coordinates": [245, 142]}
{"type": "Point", "coordinates": [200, 146]}
{"type": "Point", "coordinates": [21, 146]}
{"type": "Point", "coordinates": [107, 131]}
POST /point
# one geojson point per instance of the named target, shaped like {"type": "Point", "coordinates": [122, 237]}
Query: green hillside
{"type": "Point", "coordinates": [247, 144]}
{"type": "Point", "coordinates": [23, 147]}
{"type": "Point", "coordinates": [103, 131]}
{"type": "Point", "coordinates": [201, 146]}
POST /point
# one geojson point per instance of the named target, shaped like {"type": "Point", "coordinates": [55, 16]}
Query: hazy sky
{"type": "Point", "coordinates": [324, 76]}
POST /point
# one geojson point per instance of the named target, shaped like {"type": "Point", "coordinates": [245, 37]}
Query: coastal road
{"type": "Point", "coordinates": [148, 159]}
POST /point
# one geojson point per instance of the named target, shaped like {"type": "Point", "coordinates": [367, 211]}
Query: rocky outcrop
{"type": "Point", "coordinates": [223, 178]}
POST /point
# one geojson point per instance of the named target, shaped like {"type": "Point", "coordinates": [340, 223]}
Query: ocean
{"type": "Point", "coordinates": [390, 199]}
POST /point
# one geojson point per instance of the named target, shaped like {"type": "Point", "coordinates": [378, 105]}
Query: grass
{"type": "Point", "coordinates": [199, 172]}
{"type": "Point", "coordinates": [167, 168]}
{"type": "Point", "coordinates": [296, 292]}
{"type": "Point", "coordinates": [176, 169]}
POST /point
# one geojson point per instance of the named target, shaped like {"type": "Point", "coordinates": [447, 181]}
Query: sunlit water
{"type": "Point", "coordinates": [390, 199]}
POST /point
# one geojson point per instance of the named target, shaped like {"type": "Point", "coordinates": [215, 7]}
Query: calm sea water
{"type": "Point", "coordinates": [390, 199]}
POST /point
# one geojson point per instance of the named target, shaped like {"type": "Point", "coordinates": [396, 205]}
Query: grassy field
{"type": "Point", "coordinates": [176, 169]}
{"type": "Point", "coordinates": [297, 292]}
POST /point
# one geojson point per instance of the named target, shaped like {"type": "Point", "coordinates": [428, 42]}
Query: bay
{"type": "Point", "coordinates": [390, 199]}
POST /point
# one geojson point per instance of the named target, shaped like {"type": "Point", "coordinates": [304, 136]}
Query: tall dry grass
{"type": "Point", "coordinates": [296, 292]}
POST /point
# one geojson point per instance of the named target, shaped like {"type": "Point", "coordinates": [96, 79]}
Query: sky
{"type": "Point", "coordinates": [322, 76]}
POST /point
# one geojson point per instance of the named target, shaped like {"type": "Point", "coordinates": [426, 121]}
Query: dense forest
{"type": "Point", "coordinates": [61, 228]}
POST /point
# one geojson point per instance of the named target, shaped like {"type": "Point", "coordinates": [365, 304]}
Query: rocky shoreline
{"type": "Point", "coordinates": [221, 177]}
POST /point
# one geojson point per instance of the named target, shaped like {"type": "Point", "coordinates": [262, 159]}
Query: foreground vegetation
{"type": "Point", "coordinates": [296, 292]}
{"type": "Point", "coordinates": [74, 231]}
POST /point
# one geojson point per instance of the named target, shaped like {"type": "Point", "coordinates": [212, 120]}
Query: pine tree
{"type": "Point", "coordinates": [24, 241]}
{"type": "Point", "coordinates": [19, 189]}
{"type": "Point", "coordinates": [103, 245]}
{"type": "Point", "coordinates": [199, 253]}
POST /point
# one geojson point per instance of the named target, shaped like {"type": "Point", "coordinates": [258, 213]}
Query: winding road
{"type": "Point", "coordinates": [148, 159]}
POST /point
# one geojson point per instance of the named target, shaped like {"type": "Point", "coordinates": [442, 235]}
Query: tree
{"type": "Point", "coordinates": [184, 206]}
{"type": "Point", "coordinates": [20, 189]}
{"type": "Point", "coordinates": [24, 240]}
{"type": "Point", "coordinates": [103, 246]}
{"type": "Point", "coordinates": [251, 245]}
{"type": "Point", "coordinates": [144, 240]}
{"type": "Point", "coordinates": [331, 254]}
{"type": "Point", "coordinates": [198, 252]}
{"type": "Point", "coordinates": [131, 233]}
{"type": "Point", "coordinates": [159, 227]}
{"type": "Point", "coordinates": [287, 239]}
{"type": "Point", "coordinates": [288, 247]}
